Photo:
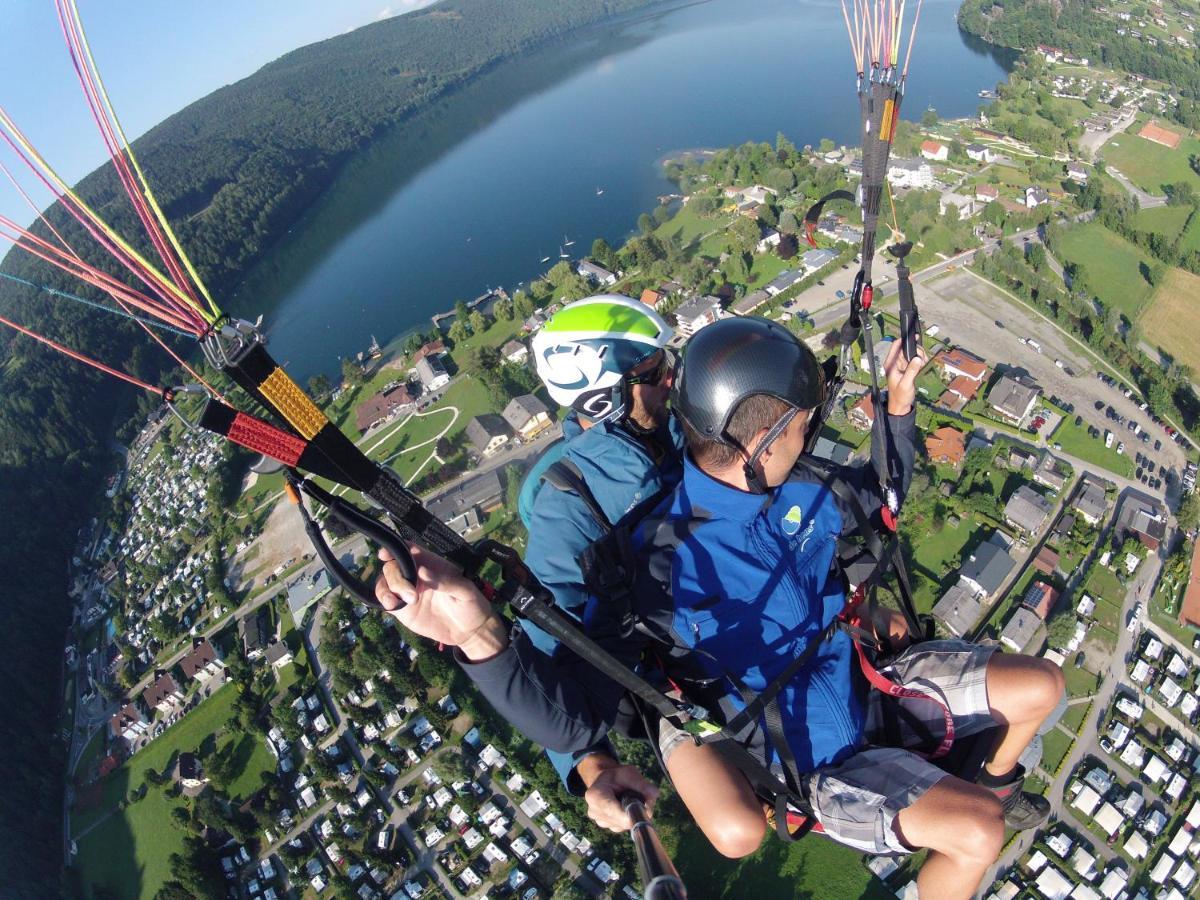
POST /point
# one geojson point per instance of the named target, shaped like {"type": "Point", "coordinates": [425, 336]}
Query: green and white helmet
{"type": "Point", "coordinates": [587, 348]}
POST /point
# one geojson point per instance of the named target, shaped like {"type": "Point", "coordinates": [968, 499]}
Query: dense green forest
{"type": "Point", "coordinates": [233, 171]}
{"type": "Point", "coordinates": [1075, 27]}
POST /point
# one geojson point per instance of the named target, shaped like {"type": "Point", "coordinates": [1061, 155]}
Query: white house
{"type": "Point", "coordinates": [697, 312]}
{"type": "Point", "coordinates": [980, 153]}
{"type": "Point", "coordinates": [1036, 195]}
{"type": "Point", "coordinates": [595, 274]}
{"type": "Point", "coordinates": [910, 173]}
{"type": "Point", "coordinates": [935, 151]}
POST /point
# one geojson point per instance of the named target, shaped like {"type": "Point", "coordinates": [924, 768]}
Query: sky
{"type": "Point", "coordinates": [156, 57]}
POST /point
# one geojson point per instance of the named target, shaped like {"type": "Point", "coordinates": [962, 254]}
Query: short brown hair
{"type": "Point", "coordinates": [752, 415]}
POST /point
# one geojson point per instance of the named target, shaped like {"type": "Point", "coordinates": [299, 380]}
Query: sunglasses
{"type": "Point", "coordinates": [654, 376]}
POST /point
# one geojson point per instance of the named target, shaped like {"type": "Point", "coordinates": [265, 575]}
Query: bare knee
{"type": "Point", "coordinates": [1046, 686]}
{"type": "Point", "coordinates": [979, 830]}
{"type": "Point", "coordinates": [1024, 688]}
{"type": "Point", "coordinates": [737, 834]}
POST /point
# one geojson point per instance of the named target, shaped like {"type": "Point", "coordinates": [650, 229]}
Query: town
{"type": "Point", "coordinates": [252, 728]}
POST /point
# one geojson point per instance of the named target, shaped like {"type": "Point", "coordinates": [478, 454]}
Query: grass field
{"type": "Point", "coordinates": [685, 226]}
{"type": "Point", "coordinates": [1149, 165]}
{"type": "Point", "coordinates": [1165, 220]}
{"type": "Point", "coordinates": [1191, 240]}
{"type": "Point", "coordinates": [933, 553]}
{"type": "Point", "coordinates": [1055, 746]}
{"type": "Point", "coordinates": [812, 867]}
{"type": "Point", "coordinates": [1102, 582]}
{"type": "Point", "coordinates": [1113, 267]}
{"type": "Point", "coordinates": [1076, 441]}
{"type": "Point", "coordinates": [1073, 718]}
{"type": "Point", "coordinates": [128, 852]}
{"type": "Point", "coordinates": [1175, 301]}
{"type": "Point", "coordinates": [1080, 682]}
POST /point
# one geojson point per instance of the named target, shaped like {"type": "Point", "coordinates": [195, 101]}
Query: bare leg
{"type": "Point", "coordinates": [962, 826]}
{"type": "Point", "coordinates": [1022, 692]}
{"type": "Point", "coordinates": [719, 798]}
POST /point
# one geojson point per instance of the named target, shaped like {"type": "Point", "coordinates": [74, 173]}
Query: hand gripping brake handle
{"type": "Point", "coordinates": [910, 323]}
{"type": "Point", "coordinates": [358, 521]}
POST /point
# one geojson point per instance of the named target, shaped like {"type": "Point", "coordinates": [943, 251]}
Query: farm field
{"type": "Point", "coordinates": [1112, 266]}
{"type": "Point", "coordinates": [1149, 165]}
{"type": "Point", "coordinates": [1177, 300]}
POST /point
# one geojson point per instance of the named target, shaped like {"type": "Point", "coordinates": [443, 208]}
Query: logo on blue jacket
{"type": "Point", "coordinates": [793, 520]}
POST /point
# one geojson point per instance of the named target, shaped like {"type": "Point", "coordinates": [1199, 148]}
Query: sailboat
{"type": "Point", "coordinates": [599, 191]}
{"type": "Point", "coordinates": [563, 254]}
{"type": "Point", "coordinates": [545, 259]}
{"type": "Point", "coordinates": [567, 242]}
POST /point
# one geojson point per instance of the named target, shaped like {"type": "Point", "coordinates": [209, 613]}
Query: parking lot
{"type": "Point", "coordinates": [979, 318]}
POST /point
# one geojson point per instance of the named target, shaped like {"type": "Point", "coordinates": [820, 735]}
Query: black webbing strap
{"type": "Point", "coordinates": [564, 475]}
{"type": "Point", "coordinates": [532, 605]}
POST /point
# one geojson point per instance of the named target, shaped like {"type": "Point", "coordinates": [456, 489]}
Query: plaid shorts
{"type": "Point", "coordinates": [857, 800]}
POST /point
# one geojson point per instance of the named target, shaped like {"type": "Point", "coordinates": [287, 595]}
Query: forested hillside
{"type": "Point", "coordinates": [1075, 26]}
{"type": "Point", "coordinates": [233, 171]}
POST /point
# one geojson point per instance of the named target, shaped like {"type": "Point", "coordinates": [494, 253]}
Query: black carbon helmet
{"type": "Point", "coordinates": [735, 358]}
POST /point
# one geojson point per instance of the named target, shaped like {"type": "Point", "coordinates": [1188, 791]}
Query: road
{"type": "Point", "coordinates": [1145, 200]}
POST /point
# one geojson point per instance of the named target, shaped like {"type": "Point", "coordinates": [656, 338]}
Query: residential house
{"type": "Point", "coordinates": [959, 609]}
{"type": "Point", "coordinates": [515, 351]}
{"type": "Point", "coordinates": [384, 405]}
{"type": "Point", "coordinates": [527, 416]}
{"type": "Point", "coordinates": [1141, 517]}
{"type": "Point", "coordinates": [252, 630]}
{"type": "Point", "coordinates": [432, 373]}
{"type": "Point", "coordinates": [815, 260]}
{"type": "Point", "coordinates": [770, 238]}
{"type": "Point", "coordinates": [1014, 396]}
{"type": "Point", "coordinates": [163, 693]}
{"type": "Point", "coordinates": [986, 193]}
{"type": "Point", "coordinates": [488, 432]}
{"type": "Point", "coordinates": [202, 663]}
{"type": "Point", "coordinates": [959, 392]}
{"type": "Point", "coordinates": [953, 200]}
{"type": "Point", "coordinates": [980, 153]}
{"type": "Point", "coordinates": [751, 302]}
{"type": "Point", "coordinates": [1040, 598]}
{"type": "Point", "coordinates": [946, 445]}
{"type": "Point", "coordinates": [882, 349]}
{"type": "Point", "coordinates": [1090, 502]}
{"type": "Point", "coordinates": [429, 348]}
{"type": "Point", "coordinates": [1077, 172]}
{"type": "Point", "coordinates": [1036, 195]}
{"type": "Point", "coordinates": [466, 505]}
{"type": "Point", "coordinates": [696, 312]}
{"type": "Point", "coordinates": [834, 451]}
{"type": "Point", "coordinates": [989, 566]}
{"type": "Point", "coordinates": [1047, 561]}
{"type": "Point", "coordinates": [279, 655]}
{"type": "Point", "coordinates": [189, 773]}
{"type": "Point", "coordinates": [935, 151]}
{"type": "Point", "coordinates": [783, 281]}
{"type": "Point", "coordinates": [129, 721]}
{"type": "Point", "coordinates": [651, 298]}
{"type": "Point", "coordinates": [862, 413]}
{"type": "Point", "coordinates": [910, 173]}
{"type": "Point", "coordinates": [1027, 510]}
{"type": "Point", "coordinates": [305, 591]}
{"type": "Point", "coordinates": [595, 274]}
{"type": "Point", "coordinates": [1048, 474]}
{"type": "Point", "coordinates": [958, 363]}
{"type": "Point", "coordinates": [1021, 630]}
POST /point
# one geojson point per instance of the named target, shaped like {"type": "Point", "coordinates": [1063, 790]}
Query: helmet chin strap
{"type": "Point", "coordinates": [754, 481]}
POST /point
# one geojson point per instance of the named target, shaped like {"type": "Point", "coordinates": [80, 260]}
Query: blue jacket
{"type": "Point", "coordinates": [749, 580]}
{"type": "Point", "coordinates": [620, 472]}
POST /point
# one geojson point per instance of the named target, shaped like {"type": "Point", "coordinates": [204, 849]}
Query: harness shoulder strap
{"type": "Point", "coordinates": [564, 475]}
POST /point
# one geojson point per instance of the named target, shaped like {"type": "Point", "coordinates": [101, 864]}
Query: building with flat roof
{"type": "Point", "coordinates": [305, 591]}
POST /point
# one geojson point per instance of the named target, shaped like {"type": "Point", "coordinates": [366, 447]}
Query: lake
{"type": "Point", "coordinates": [474, 192]}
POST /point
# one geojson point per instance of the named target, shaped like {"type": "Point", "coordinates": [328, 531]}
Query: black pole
{"type": "Point", "coordinates": [660, 880]}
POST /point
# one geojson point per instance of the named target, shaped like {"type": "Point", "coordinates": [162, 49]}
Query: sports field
{"type": "Point", "coordinates": [1149, 165]}
{"type": "Point", "coordinates": [1113, 268]}
{"type": "Point", "coordinates": [1175, 302]}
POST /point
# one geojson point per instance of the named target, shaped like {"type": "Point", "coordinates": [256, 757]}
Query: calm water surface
{"type": "Point", "coordinates": [474, 192]}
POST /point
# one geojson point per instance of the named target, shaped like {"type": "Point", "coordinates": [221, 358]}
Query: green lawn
{"type": "Point", "coordinates": [1191, 239]}
{"type": "Point", "coordinates": [497, 334]}
{"type": "Point", "coordinates": [255, 761]}
{"type": "Point", "coordinates": [1164, 220]}
{"type": "Point", "coordinates": [1080, 682]}
{"type": "Point", "coordinates": [1055, 747]}
{"type": "Point", "coordinates": [1102, 582]}
{"type": "Point", "coordinates": [1073, 718]}
{"type": "Point", "coordinates": [1076, 441]}
{"type": "Point", "coordinates": [685, 226]}
{"type": "Point", "coordinates": [128, 852]}
{"type": "Point", "coordinates": [1112, 266]}
{"type": "Point", "coordinates": [1149, 165]}
{"type": "Point", "coordinates": [811, 867]}
{"type": "Point", "coordinates": [935, 551]}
